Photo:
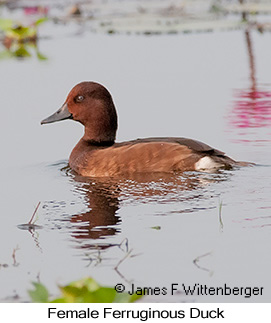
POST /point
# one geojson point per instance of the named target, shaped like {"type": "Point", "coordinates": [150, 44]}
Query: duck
{"type": "Point", "coordinates": [97, 154]}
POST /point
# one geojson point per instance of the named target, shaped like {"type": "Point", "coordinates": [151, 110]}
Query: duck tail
{"type": "Point", "coordinates": [245, 164]}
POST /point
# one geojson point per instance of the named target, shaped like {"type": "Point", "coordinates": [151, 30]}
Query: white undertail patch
{"type": "Point", "coordinates": [207, 163]}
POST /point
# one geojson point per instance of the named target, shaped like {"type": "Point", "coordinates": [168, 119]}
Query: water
{"type": "Point", "coordinates": [192, 228]}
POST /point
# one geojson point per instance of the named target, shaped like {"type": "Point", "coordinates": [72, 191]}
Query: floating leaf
{"type": "Point", "coordinates": [21, 33]}
{"type": "Point", "coordinates": [41, 57]}
{"type": "Point", "coordinates": [20, 30]}
{"type": "Point", "coordinates": [39, 294]}
{"type": "Point", "coordinates": [40, 21]}
{"type": "Point", "coordinates": [22, 52]}
{"type": "Point", "coordinates": [157, 227]}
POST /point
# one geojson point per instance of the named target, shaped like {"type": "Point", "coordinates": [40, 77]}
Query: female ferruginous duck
{"type": "Point", "coordinates": [98, 155]}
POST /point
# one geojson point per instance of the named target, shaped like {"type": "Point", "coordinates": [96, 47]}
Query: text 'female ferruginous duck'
{"type": "Point", "coordinates": [98, 155]}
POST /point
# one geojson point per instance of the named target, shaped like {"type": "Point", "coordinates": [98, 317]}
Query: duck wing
{"type": "Point", "coordinates": [194, 145]}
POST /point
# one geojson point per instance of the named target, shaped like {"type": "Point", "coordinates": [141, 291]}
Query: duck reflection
{"type": "Point", "coordinates": [105, 196]}
{"type": "Point", "coordinates": [101, 218]}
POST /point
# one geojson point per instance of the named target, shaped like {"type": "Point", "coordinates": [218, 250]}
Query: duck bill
{"type": "Point", "coordinates": [61, 114]}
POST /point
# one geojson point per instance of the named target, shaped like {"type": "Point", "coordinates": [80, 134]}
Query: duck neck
{"type": "Point", "coordinates": [101, 124]}
{"type": "Point", "coordinates": [98, 139]}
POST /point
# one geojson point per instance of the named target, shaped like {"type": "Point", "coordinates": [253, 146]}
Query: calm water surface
{"type": "Point", "coordinates": [201, 86]}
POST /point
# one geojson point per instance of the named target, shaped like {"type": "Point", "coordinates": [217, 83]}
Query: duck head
{"type": "Point", "coordinates": [91, 104]}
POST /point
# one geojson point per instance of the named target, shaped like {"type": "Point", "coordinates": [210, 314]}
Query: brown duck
{"type": "Point", "coordinates": [98, 155]}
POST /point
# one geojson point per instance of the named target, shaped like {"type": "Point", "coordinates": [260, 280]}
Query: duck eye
{"type": "Point", "coordinates": [79, 98]}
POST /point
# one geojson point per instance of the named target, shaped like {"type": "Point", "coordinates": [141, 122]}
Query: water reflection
{"type": "Point", "coordinates": [252, 107]}
{"type": "Point", "coordinates": [104, 198]}
{"type": "Point", "coordinates": [91, 215]}
{"type": "Point", "coordinates": [101, 218]}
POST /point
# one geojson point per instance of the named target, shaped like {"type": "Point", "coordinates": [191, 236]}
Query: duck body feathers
{"type": "Point", "coordinates": [146, 155]}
